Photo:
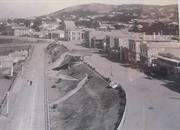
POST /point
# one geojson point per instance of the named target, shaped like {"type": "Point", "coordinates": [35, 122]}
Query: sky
{"type": "Point", "coordinates": [29, 8]}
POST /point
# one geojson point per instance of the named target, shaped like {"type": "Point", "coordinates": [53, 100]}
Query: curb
{"type": "Point", "coordinates": [120, 127]}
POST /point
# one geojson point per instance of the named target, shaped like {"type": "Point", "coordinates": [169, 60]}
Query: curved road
{"type": "Point", "coordinates": [150, 104]}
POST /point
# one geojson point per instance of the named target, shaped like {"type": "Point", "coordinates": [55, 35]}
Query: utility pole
{"type": "Point", "coordinates": [12, 70]}
{"type": "Point", "coordinates": [111, 70]}
{"type": "Point", "coordinates": [179, 18]}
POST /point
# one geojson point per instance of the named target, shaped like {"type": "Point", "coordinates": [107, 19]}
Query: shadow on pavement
{"type": "Point", "coordinates": [173, 85]}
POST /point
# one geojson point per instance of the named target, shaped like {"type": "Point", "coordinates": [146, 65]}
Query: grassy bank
{"type": "Point", "coordinates": [93, 107]}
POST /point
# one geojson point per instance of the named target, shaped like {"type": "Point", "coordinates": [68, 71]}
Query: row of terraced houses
{"type": "Point", "coordinates": [148, 52]}
{"type": "Point", "coordinates": [48, 30]}
{"type": "Point", "coordinates": [151, 53]}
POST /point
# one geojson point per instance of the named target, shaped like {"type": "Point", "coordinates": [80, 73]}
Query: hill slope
{"type": "Point", "coordinates": [139, 9]}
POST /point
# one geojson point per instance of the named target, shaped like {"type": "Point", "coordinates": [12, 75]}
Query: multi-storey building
{"type": "Point", "coordinates": [71, 35]}
{"type": "Point", "coordinates": [168, 61]}
{"type": "Point", "coordinates": [134, 50]}
{"type": "Point", "coordinates": [22, 31]}
{"type": "Point", "coordinates": [152, 45]}
{"type": "Point", "coordinates": [72, 32]}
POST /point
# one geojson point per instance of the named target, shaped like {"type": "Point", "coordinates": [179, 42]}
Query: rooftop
{"type": "Point", "coordinates": [157, 38]}
{"type": "Point", "coordinates": [70, 25]}
{"type": "Point", "coordinates": [114, 34]}
{"type": "Point", "coordinates": [162, 45]}
{"type": "Point", "coordinates": [169, 59]}
{"type": "Point", "coordinates": [21, 28]}
{"type": "Point", "coordinates": [173, 53]}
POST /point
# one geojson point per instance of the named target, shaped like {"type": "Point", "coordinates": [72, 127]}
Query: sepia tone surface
{"type": "Point", "coordinates": [89, 65]}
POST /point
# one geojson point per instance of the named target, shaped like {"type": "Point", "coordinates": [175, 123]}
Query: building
{"type": "Point", "coordinates": [151, 46]}
{"type": "Point", "coordinates": [8, 31]}
{"type": "Point", "coordinates": [87, 39]}
{"type": "Point", "coordinates": [6, 66]}
{"type": "Point", "coordinates": [168, 61]}
{"type": "Point", "coordinates": [7, 62]}
{"type": "Point", "coordinates": [134, 50]}
{"type": "Point", "coordinates": [117, 47]}
{"type": "Point", "coordinates": [69, 25]}
{"type": "Point", "coordinates": [90, 37]}
{"type": "Point", "coordinates": [71, 35]}
{"type": "Point", "coordinates": [115, 43]}
{"type": "Point", "coordinates": [41, 34]}
{"type": "Point", "coordinates": [98, 42]}
{"type": "Point", "coordinates": [56, 34]}
{"type": "Point", "coordinates": [71, 32]}
{"type": "Point", "coordinates": [22, 31]}
{"type": "Point", "coordinates": [18, 56]}
{"type": "Point", "coordinates": [93, 35]}
{"type": "Point", "coordinates": [48, 26]}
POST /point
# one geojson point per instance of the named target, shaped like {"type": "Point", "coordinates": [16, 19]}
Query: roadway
{"type": "Point", "coordinates": [27, 102]}
{"type": "Point", "coordinates": [150, 104]}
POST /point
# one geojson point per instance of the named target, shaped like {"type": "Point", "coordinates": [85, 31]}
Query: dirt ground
{"type": "Point", "coordinates": [93, 107]}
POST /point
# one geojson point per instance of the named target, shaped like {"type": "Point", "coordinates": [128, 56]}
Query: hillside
{"type": "Point", "coordinates": [82, 10]}
{"type": "Point", "coordinates": [147, 11]}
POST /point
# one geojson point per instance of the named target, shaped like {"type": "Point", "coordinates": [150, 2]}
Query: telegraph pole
{"type": "Point", "coordinates": [111, 70]}
{"type": "Point", "coordinates": [179, 18]}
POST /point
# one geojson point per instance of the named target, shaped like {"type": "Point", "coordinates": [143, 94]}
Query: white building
{"type": "Point", "coordinates": [22, 31]}
{"type": "Point", "coordinates": [6, 66]}
{"type": "Point", "coordinates": [71, 35]}
{"type": "Point", "coordinates": [151, 46]}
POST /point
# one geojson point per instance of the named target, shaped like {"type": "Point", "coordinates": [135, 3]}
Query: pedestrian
{"type": "Point", "coordinates": [30, 82]}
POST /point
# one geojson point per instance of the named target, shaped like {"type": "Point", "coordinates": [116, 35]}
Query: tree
{"type": "Point", "coordinates": [27, 23]}
{"type": "Point", "coordinates": [9, 21]}
{"type": "Point", "coordinates": [36, 25]}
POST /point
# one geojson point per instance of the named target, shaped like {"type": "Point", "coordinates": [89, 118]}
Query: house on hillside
{"type": "Point", "coordinates": [48, 26]}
